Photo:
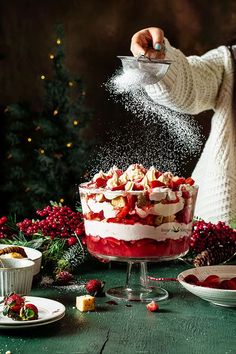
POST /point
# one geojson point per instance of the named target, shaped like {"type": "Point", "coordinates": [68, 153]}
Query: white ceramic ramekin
{"type": "Point", "coordinates": [16, 276]}
{"type": "Point", "coordinates": [32, 254]}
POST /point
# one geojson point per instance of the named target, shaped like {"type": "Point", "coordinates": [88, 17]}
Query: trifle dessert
{"type": "Point", "coordinates": [138, 213]}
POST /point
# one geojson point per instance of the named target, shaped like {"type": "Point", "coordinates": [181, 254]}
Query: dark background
{"type": "Point", "coordinates": [96, 32]}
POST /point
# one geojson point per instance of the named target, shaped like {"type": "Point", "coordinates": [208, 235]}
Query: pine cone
{"type": "Point", "coordinates": [72, 258]}
{"type": "Point", "coordinates": [214, 256]}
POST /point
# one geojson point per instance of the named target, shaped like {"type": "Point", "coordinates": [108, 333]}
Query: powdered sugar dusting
{"type": "Point", "coordinates": [127, 88]}
{"type": "Point", "coordinates": [155, 136]}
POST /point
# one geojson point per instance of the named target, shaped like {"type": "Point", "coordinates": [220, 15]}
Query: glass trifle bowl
{"type": "Point", "coordinates": [137, 216]}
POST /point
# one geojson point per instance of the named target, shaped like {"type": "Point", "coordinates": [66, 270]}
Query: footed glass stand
{"type": "Point", "coordinates": [137, 286]}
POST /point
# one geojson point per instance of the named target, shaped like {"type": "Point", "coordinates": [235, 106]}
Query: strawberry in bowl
{"type": "Point", "coordinates": [138, 213]}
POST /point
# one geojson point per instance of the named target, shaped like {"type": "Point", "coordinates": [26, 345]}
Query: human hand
{"type": "Point", "coordinates": [148, 42]}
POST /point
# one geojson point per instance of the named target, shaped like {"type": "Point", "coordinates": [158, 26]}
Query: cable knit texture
{"type": "Point", "coordinates": [194, 84]}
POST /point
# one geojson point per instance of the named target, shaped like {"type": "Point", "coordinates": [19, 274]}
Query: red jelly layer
{"type": "Point", "coordinates": [144, 248]}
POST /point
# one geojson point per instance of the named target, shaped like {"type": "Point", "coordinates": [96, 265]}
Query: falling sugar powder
{"type": "Point", "coordinates": [127, 87]}
{"type": "Point", "coordinates": [125, 82]}
{"type": "Point", "coordinates": [155, 136]}
{"type": "Point", "coordinates": [137, 143]}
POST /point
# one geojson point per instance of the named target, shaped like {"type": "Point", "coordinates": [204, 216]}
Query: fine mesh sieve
{"type": "Point", "coordinates": [157, 67]}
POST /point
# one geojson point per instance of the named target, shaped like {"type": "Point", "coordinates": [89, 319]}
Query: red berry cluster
{"type": "Point", "coordinates": [3, 227]}
{"type": "Point", "coordinates": [59, 221]}
{"type": "Point", "coordinates": [207, 236]}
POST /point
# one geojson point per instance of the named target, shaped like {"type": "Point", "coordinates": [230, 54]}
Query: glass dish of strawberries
{"type": "Point", "coordinates": [138, 214]}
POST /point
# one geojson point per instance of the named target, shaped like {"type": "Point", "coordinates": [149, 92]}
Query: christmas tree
{"type": "Point", "coordinates": [46, 151]}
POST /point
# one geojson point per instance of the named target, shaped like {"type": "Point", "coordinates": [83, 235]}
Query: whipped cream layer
{"type": "Point", "coordinates": [107, 208]}
{"type": "Point", "coordinates": [161, 209]}
{"type": "Point", "coordinates": [109, 211]}
{"type": "Point", "coordinates": [171, 230]}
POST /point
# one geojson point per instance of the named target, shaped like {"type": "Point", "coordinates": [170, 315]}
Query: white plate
{"type": "Point", "coordinates": [220, 297]}
{"type": "Point", "coordinates": [49, 311]}
{"type": "Point", "coordinates": [32, 254]}
{"type": "Point", "coordinates": [25, 325]}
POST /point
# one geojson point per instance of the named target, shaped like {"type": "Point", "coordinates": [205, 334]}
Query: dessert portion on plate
{"type": "Point", "coordinates": [138, 213]}
{"type": "Point", "coordinates": [16, 308]}
{"type": "Point", "coordinates": [18, 311]}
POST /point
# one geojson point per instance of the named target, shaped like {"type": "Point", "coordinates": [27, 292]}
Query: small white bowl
{"type": "Point", "coordinates": [16, 276]}
{"type": "Point", "coordinates": [220, 297]}
{"type": "Point", "coordinates": [32, 254]}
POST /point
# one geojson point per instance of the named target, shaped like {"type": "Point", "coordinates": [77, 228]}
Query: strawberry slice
{"type": "Point", "coordinates": [131, 199]}
{"type": "Point", "coordinates": [158, 174]}
{"type": "Point", "coordinates": [191, 279]}
{"type": "Point", "coordinates": [154, 184]}
{"type": "Point", "coordinates": [171, 185]}
{"type": "Point", "coordinates": [138, 187]}
{"type": "Point", "coordinates": [152, 306]}
{"type": "Point", "coordinates": [212, 281]}
{"type": "Point", "coordinates": [121, 187]}
{"type": "Point", "coordinates": [150, 220]}
{"type": "Point", "coordinates": [115, 220]}
{"type": "Point", "coordinates": [129, 221]}
{"type": "Point", "coordinates": [189, 181]}
{"type": "Point", "coordinates": [113, 241]}
{"type": "Point", "coordinates": [231, 284]}
{"type": "Point", "coordinates": [185, 194]}
{"type": "Point", "coordinates": [101, 182]}
{"type": "Point", "coordinates": [177, 182]}
{"type": "Point", "coordinates": [119, 172]}
{"type": "Point", "coordinates": [223, 284]}
{"type": "Point", "coordinates": [124, 211]}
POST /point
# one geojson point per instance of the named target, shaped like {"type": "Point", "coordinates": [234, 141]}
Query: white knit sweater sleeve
{"type": "Point", "coordinates": [192, 83]}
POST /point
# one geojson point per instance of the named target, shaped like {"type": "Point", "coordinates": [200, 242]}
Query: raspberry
{"type": "Point", "coordinates": [95, 287]}
{"type": "Point", "coordinates": [152, 306]}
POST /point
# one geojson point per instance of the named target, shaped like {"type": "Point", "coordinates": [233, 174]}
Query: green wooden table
{"type": "Point", "coordinates": [184, 324]}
